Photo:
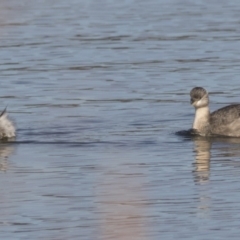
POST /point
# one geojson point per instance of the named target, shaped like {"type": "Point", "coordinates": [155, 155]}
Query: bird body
{"type": "Point", "coordinates": [7, 129]}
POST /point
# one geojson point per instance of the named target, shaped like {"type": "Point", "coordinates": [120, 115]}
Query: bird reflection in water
{"type": "Point", "coordinates": [224, 147]}
{"type": "Point", "coordinates": [201, 173]}
{"type": "Point", "coordinates": [5, 152]}
{"type": "Point", "coordinates": [224, 150]}
{"type": "Point", "coordinates": [202, 159]}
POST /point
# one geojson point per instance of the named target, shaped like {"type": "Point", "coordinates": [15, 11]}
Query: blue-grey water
{"type": "Point", "coordinates": [97, 90]}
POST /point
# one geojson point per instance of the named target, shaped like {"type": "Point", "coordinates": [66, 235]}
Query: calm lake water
{"type": "Point", "coordinates": [97, 90]}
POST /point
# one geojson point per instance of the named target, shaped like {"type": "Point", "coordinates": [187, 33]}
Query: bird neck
{"type": "Point", "coordinates": [201, 120]}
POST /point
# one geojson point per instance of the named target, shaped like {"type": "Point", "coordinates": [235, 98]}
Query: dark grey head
{"type": "Point", "coordinates": [199, 97]}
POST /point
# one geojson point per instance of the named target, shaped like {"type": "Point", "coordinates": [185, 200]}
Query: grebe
{"type": "Point", "coordinates": [7, 129]}
{"type": "Point", "coordinates": [224, 122]}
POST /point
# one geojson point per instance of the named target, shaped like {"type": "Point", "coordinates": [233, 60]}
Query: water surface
{"type": "Point", "coordinates": [97, 90]}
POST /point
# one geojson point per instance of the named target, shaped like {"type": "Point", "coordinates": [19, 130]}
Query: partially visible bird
{"type": "Point", "coordinates": [224, 122]}
{"type": "Point", "coordinates": [7, 128]}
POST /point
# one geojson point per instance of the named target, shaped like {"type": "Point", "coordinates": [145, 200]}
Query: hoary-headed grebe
{"type": "Point", "coordinates": [7, 129]}
{"type": "Point", "coordinates": [225, 121]}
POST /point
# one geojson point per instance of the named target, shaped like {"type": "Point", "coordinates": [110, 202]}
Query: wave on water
{"type": "Point", "coordinates": [187, 133]}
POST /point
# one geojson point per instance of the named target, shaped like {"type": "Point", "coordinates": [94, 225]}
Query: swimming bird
{"type": "Point", "coordinates": [7, 129]}
{"type": "Point", "coordinates": [222, 122]}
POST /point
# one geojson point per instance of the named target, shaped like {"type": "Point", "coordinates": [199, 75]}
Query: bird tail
{"type": "Point", "coordinates": [3, 112]}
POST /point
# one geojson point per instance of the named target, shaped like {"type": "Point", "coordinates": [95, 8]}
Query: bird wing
{"type": "Point", "coordinates": [225, 115]}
